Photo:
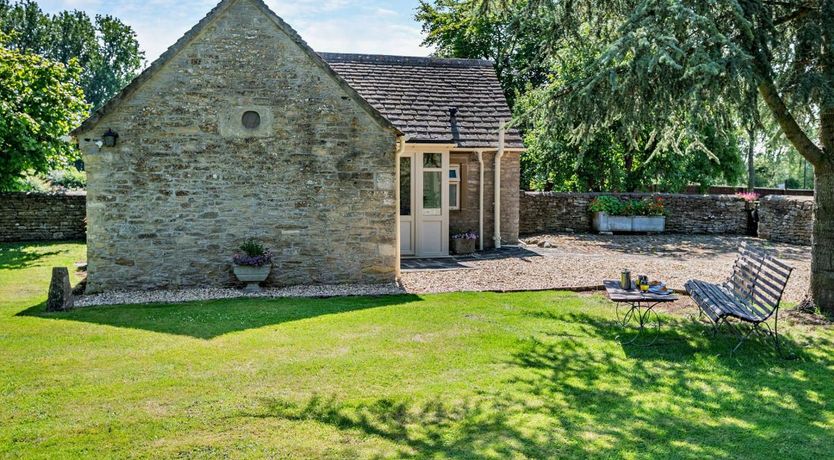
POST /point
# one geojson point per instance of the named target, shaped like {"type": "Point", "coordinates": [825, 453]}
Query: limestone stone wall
{"type": "Point", "coordinates": [42, 216]}
{"type": "Point", "coordinates": [467, 218]}
{"type": "Point", "coordinates": [510, 197]}
{"type": "Point", "coordinates": [786, 219]}
{"type": "Point", "coordinates": [187, 183]}
{"type": "Point", "coordinates": [568, 212]}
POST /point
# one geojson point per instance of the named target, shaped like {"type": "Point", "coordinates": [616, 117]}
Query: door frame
{"type": "Point", "coordinates": [409, 219]}
{"type": "Point", "coordinates": [415, 152]}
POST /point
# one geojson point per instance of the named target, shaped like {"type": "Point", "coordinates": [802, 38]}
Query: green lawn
{"type": "Point", "coordinates": [455, 375]}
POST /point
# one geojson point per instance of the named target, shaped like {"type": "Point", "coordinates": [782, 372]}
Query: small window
{"type": "Point", "coordinates": [432, 160]}
{"type": "Point", "coordinates": [251, 119]}
{"type": "Point", "coordinates": [454, 187]}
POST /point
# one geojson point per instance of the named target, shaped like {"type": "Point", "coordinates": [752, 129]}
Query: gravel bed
{"type": "Point", "coordinates": [186, 295]}
{"type": "Point", "coordinates": [573, 260]}
{"type": "Point", "coordinates": [550, 261]}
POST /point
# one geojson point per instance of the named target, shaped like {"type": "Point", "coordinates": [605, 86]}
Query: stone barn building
{"type": "Point", "coordinates": [340, 163]}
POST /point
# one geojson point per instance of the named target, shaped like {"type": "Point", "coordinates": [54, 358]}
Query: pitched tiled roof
{"type": "Point", "coordinates": [419, 95]}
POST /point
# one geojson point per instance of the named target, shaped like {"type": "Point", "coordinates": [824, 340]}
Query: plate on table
{"type": "Point", "coordinates": [659, 289]}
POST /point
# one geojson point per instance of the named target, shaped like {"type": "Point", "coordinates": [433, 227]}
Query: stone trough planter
{"type": "Point", "coordinates": [463, 246]}
{"type": "Point", "coordinates": [605, 223]}
{"type": "Point", "coordinates": [252, 276]}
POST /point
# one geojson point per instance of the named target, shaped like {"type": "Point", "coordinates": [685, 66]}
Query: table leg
{"type": "Point", "coordinates": [625, 317]}
{"type": "Point", "coordinates": [645, 317]}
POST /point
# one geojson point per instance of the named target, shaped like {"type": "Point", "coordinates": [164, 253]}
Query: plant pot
{"type": "Point", "coordinates": [251, 276]}
{"type": "Point", "coordinates": [606, 223]}
{"type": "Point", "coordinates": [463, 246]}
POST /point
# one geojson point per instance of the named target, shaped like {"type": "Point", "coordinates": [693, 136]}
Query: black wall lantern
{"type": "Point", "coordinates": [110, 138]}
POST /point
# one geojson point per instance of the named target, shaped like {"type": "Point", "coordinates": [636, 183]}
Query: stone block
{"type": "Point", "coordinates": [60, 291]}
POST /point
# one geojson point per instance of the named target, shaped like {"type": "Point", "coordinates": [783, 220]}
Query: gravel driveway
{"type": "Point", "coordinates": [573, 260]}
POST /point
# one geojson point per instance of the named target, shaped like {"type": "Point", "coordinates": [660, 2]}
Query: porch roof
{"type": "Point", "coordinates": [456, 101]}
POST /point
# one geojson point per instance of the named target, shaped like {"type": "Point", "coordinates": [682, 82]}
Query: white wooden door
{"type": "Point", "coordinates": [432, 210]}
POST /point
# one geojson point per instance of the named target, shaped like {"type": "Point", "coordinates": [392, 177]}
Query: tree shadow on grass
{"type": "Point", "coordinates": [471, 428]}
{"type": "Point", "coordinates": [581, 395]}
{"type": "Point", "coordinates": [16, 256]}
{"type": "Point", "coordinates": [209, 319]}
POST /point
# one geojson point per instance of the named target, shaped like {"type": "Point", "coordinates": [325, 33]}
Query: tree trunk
{"type": "Point", "coordinates": [751, 169]}
{"type": "Point", "coordinates": [822, 262]}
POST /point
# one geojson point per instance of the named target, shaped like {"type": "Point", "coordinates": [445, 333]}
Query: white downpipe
{"type": "Point", "coordinates": [497, 182]}
{"type": "Point", "coordinates": [481, 201]}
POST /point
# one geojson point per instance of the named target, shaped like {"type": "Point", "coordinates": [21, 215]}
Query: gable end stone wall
{"type": "Point", "coordinates": [169, 204]}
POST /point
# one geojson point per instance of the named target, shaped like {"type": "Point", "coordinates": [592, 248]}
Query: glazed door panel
{"type": "Point", "coordinates": [432, 217]}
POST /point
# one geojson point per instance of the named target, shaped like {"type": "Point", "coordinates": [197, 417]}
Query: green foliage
{"type": "Point", "coordinates": [70, 178]}
{"type": "Point", "coordinates": [628, 207]}
{"type": "Point", "coordinates": [561, 155]}
{"type": "Point", "coordinates": [31, 184]}
{"type": "Point", "coordinates": [462, 29]}
{"type": "Point", "coordinates": [776, 160]}
{"type": "Point", "coordinates": [40, 103]}
{"type": "Point", "coordinates": [675, 67]}
{"type": "Point", "coordinates": [783, 165]}
{"type": "Point", "coordinates": [105, 48]}
{"type": "Point", "coordinates": [607, 203]}
{"type": "Point", "coordinates": [253, 248]}
{"type": "Point", "coordinates": [610, 159]}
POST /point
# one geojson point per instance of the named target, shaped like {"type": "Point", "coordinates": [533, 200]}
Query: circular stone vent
{"type": "Point", "coordinates": [250, 119]}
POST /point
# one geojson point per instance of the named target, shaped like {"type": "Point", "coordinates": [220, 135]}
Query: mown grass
{"type": "Point", "coordinates": [462, 375]}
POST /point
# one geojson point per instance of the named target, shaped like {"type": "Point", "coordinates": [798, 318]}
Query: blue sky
{"type": "Point", "coordinates": [358, 26]}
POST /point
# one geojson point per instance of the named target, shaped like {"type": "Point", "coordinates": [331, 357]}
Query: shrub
{"type": "Point", "coordinates": [616, 207]}
{"type": "Point", "coordinates": [32, 184]}
{"type": "Point", "coordinates": [69, 178]}
{"type": "Point", "coordinates": [654, 206]}
{"type": "Point", "coordinates": [606, 203]}
{"type": "Point", "coordinates": [253, 254]}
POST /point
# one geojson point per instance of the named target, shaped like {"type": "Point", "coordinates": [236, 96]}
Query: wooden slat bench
{"type": "Point", "coordinates": [752, 294]}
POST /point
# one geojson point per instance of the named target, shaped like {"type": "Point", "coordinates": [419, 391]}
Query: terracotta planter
{"type": "Point", "coordinates": [252, 276]}
{"type": "Point", "coordinates": [462, 246]}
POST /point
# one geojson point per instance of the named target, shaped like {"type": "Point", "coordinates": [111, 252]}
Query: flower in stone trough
{"type": "Point", "coordinates": [252, 254]}
{"type": "Point", "coordinates": [467, 235]}
{"type": "Point", "coordinates": [748, 196]}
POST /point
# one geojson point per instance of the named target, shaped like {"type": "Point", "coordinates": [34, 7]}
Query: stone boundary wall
{"type": "Point", "coordinates": [541, 212]}
{"type": "Point", "coordinates": [786, 219]}
{"type": "Point", "coordinates": [38, 217]}
{"type": "Point", "coordinates": [42, 216]}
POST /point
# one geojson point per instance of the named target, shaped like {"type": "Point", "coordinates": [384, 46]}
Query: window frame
{"type": "Point", "coordinates": [455, 183]}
